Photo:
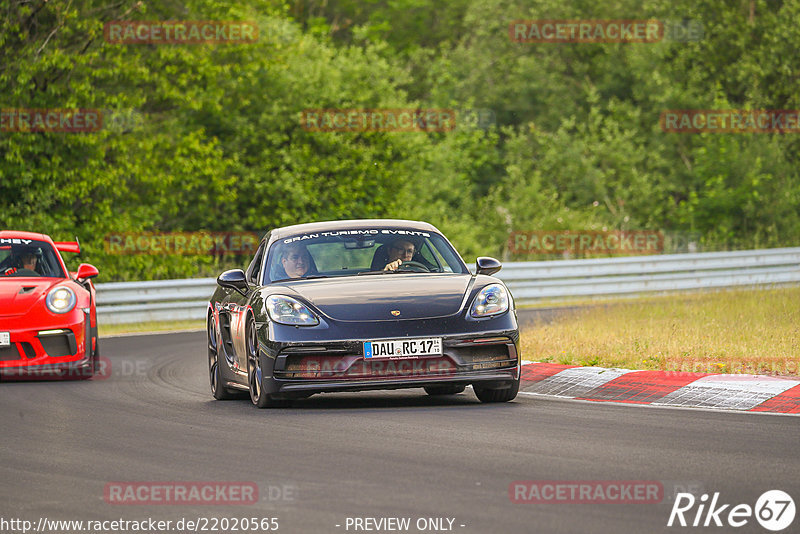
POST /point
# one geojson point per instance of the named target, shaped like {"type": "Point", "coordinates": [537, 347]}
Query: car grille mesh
{"type": "Point", "coordinates": [479, 353]}
{"type": "Point", "coordinates": [467, 355]}
{"type": "Point", "coordinates": [56, 346]}
{"type": "Point", "coordinates": [9, 353]}
{"type": "Point", "coordinates": [356, 367]}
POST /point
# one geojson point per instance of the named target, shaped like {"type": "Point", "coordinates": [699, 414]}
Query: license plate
{"type": "Point", "coordinates": [403, 348]}
{"type": "Point", "coordinates": [5, 339]}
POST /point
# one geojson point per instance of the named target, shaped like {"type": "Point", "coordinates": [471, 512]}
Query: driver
{"type": "Point", "coordinates": [27, 262]}
{"type": "Point", "coordinates": [399, 251]}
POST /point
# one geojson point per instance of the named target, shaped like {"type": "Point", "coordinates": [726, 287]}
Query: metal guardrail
{"type": "Point", "coordinates": [529, 281]}
{"type": "Point", "coordinates": [157, 300]}
{"type": "Point", "coordinates": [171, 300]}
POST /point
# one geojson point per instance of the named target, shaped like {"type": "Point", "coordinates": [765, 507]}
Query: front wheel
{"type": "Point", "coordinates": [255, 373]}
{"type": "Point", "coordinates": [485, 394]}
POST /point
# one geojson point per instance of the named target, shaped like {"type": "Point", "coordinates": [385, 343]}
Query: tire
{"type": "Point", "coordinates": [496, 394]}
{"type": "Point", "coordinates": [255, 376]}
{"type": "Point", "coordinates": [447, 389]}
{"type": "Point", "coordinates": [219, 391]}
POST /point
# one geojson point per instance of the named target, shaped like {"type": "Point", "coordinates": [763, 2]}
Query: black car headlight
{"type": "Point", "coordinates": [61, 299]}
{"type": "Point", "coordinates": [491, 300]}
{"type": "Point", "coordinates": [286, 310]}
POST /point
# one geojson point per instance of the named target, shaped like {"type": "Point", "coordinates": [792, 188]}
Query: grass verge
{"type": "Point", "coordinates": [135, 328]}
{"type": "Point", "coordinates": [736, 331]}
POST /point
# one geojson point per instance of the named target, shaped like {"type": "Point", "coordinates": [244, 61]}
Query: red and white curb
{"type": "Point", "coordinates": [754, 393]}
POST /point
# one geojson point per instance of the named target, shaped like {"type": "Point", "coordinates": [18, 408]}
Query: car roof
{"type": "Point", "coordinates": [16, 234]}
{"type": "Point", "coordinates": [354, 224]}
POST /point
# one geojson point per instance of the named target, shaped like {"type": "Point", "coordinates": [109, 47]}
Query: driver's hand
{"type": "Point", "coordinates": [393, 266]}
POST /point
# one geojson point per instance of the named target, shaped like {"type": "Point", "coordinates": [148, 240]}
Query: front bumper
{"type": "Point", "coordinates": [491, 359]}
{"type": "Point", "coordinates": [57, 347]}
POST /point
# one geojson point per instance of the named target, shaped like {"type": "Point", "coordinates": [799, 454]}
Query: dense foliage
{"type": "Point", "coordinates": [208, 137]}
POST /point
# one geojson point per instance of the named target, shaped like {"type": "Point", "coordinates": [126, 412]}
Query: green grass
{"type": "Point", "coordinates": [135, 328]}
{"type": "Point", "coordinates": [737, 331]}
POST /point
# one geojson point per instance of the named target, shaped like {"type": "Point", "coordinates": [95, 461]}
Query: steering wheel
{"type": "Point", "coordinates": [414, 266]}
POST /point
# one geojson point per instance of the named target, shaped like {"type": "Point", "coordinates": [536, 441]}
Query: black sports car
{"type": "Point", "coordinates": [361, 305]}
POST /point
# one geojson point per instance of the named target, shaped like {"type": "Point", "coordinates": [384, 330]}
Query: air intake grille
{"type": "Point", "coordinates": [28, 349]}
{"type": "Point", "coordinates": [9, 353]}
{"type": "Point", "coordinates": [59, 344]}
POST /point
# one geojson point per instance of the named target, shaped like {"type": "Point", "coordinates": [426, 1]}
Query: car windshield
{"type": "Point", "coordinates": [28, 257]}
{"type": "Point", "coordinates": [360, 251]}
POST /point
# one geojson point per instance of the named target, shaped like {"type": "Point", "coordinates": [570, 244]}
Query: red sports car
{"type": "Point", "coordinates": [48, 322]}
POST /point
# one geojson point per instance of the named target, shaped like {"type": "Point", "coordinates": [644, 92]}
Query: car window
{"type": "Point", "coordinates": [254, 269]}
{"type": "Point", "coordinates": [433, 255]}
{"type": "Point", "coordinates": [352, 252]}
{"type": "Point", "coordinates": [29, 257]}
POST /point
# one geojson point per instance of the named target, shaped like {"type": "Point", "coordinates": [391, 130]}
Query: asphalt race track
{"type": "Point", "coordinates": [366, 455]}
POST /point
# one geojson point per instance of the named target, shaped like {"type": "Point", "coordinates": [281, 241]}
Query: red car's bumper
{"type": "Point", "coordinates": [58, 345]}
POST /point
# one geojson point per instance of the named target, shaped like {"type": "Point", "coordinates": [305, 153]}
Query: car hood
{"type": "Point", "coordinates": [19, 295]}
{"type": "Point", "coordinates": [375, 297]}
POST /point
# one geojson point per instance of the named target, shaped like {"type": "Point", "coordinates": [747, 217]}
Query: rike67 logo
{"type": "Point", "coordinates": [774, 510]}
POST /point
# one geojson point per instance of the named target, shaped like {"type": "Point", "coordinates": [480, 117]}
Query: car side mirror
{"type": "Point", "coordinates": [488, 266]}
{"type": "Point", "coordinates": [86, 271]}
{"type": "Point", "coordinates": [234, 279]}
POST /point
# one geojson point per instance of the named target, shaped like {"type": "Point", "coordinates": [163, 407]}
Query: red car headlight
{"type": "Point", "coordinates": [61, 299]}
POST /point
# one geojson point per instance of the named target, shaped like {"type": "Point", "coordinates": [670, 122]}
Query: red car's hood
{"type": "Point", "coordinates": [19, 295]}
